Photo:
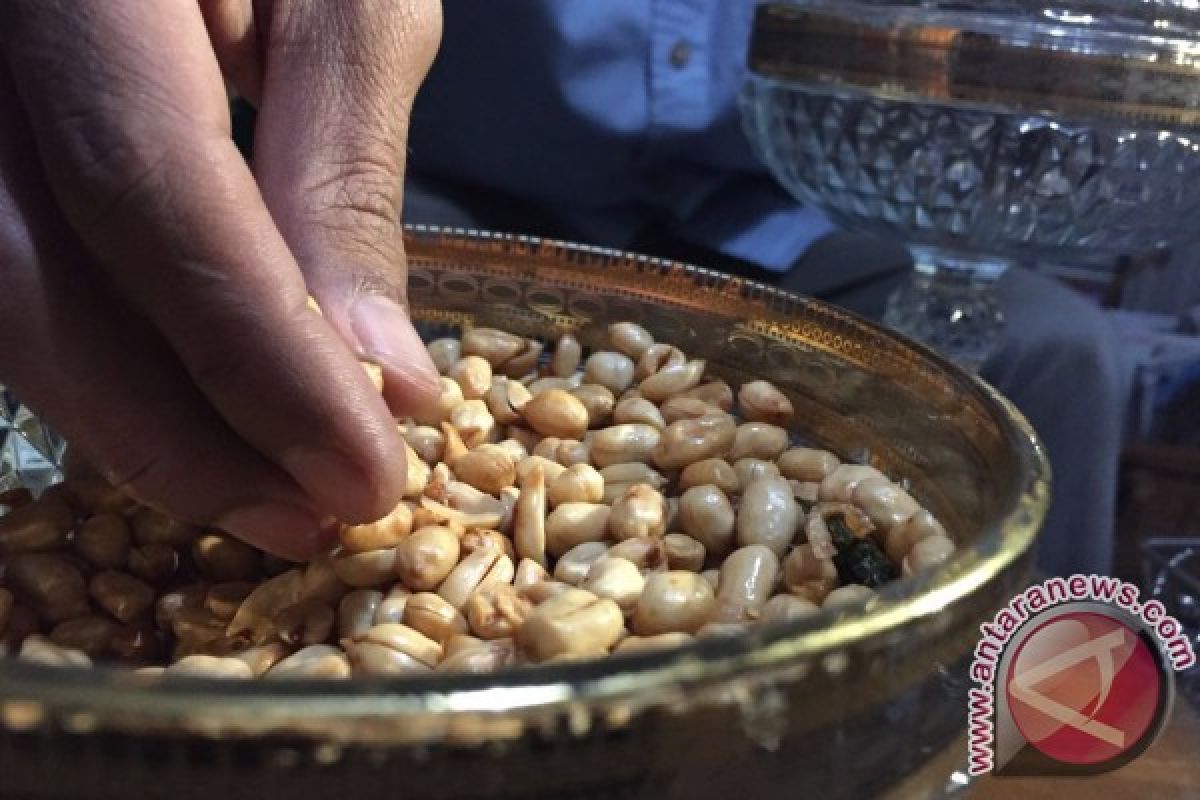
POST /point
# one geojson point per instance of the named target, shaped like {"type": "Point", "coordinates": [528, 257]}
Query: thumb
{"type": "Point", "coordinates": [330, 148]}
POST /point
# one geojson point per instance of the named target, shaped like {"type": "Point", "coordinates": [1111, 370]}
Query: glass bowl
{"type": "Point", "coordinates": [983, 133]}
{"type": "Point", "coordinates": [845, 705]}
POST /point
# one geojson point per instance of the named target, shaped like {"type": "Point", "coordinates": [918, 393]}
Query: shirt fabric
{"type": "Point", "coordinates": [612, 115]}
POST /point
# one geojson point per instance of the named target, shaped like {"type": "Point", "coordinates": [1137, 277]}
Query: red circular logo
{"type": "Point", "coordinates": [1084, 688]}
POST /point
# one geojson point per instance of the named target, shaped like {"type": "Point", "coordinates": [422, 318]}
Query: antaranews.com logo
{"type": "Point", "coordinates": [1074, 676]}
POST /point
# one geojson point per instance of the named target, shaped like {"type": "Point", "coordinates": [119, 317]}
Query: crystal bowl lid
{"type": "Point", "coordinates": [1136, 60]}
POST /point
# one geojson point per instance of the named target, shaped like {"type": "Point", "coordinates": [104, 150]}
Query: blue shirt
{"type": "Point", "coordinates": [609, 114]}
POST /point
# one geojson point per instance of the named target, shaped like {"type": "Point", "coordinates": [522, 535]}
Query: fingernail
{"type": "Point", "coordinates": [386, 337]}
{"type": "Point", "coordinates": [331, 479]}
{"type": "Point", "coordinates": [284, 530]}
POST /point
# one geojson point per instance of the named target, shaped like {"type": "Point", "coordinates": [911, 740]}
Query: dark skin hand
{"type": "Point", "coordinates": [153, 287]}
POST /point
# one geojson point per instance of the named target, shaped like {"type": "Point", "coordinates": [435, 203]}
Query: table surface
{"type": "Point", "coordinates": [1168, 770]}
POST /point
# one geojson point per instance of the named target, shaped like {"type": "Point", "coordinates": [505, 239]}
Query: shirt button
{"type": "Point", "coordinates": [680, 55]}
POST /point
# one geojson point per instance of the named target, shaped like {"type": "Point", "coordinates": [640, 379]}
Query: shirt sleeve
{"type": "Point", "coordinates": [754, 220]}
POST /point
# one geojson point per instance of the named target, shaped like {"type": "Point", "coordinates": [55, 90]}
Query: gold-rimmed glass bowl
{"type": "Point", "coordinates": [983, 133]}
{"type": "Point", "coordinates": [837, 706]}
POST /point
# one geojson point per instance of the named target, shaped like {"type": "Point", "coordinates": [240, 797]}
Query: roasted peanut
{"type": "Point", "coordinates": [318, 661]}
{"type": "Point", "coordinates": [884, 502]}
{"type": "Point", "coordinates": [426, 557]}
{"type": "Point", "coordinates": [680, 407]}
{"type": "Point", "coordinates": [472, 573]}
{"type": "Point", "coordinates": [787, 606]}
{"type": "Point", "coordinates": [748, 470]}
{"type": "Point", "coordinates": [38, 649]}
{"type": "Point", "coordinates": [485, 658]}
{"type": "Point", "coordinates": [638, 410]}
{"type": "Point", "coordinates": [573, 566]}
{"type": "Point", "coordinates": [762, 401]}
{"type": "Point", "coordinates": [572, 623]}
{"type": "Point", "coordinates": [640, 511]}
{"type": "Point", "coordinates": [433, 616]}
{"type": "Point", "coordinates": [528, 573]}
{"type": "Point", "coordinates": [648, 553]}
{"type": "Point", "coordinates": [580, 483]}
{"type": "Point", "coordinates": [473, 422]}
{"type": "Point", "coordinates": [103, 541]}
{"type": "Point", "coordinates": [573, 523]}
{"type": "Point", "coordinates": [496, 611]}
{"type": "Point", "coordinates": [363, 570]}
{"type": "Point", "coordinates": [927, 553]}
{"type": "Point", "coordinates": [706, 515]}
{"type": "Point", "coordinates": [629, 338]}
{"type": "Point", "coordinates": [556, 413]}
{"type": "Point", "coordinates": [614, 371]}
{"type": "Point", "coordinates": [717, 393]}
{"type": "Point", "coordinates": [305, 623]}
{"type": "Point", "coordinates": [758, 440]}
{"type": "Point", "coordinates": [852, 596]}
{"type": "Point", "coordinates": [899, 540]}
{"type": "Point", "coordinates": [673, 601]}
{"type": "Point", "coordinates": [494, 345]}
{"type": "Point", "coordinates": [426, 441]}
{"type": "Point", "coordinates": [529, 516]}
{"type": "Point", "coordinates": [404, 639]}
{"type": "Point", "coordinates": [445, 353]}
{"type": "Point", "coordinates": [150, 526]}
{"type": "Point", "coordinates": [262, 658]}
{"type": "Point", "coordinates": [747, 580]}
{"type": "Point", "coordinates": [711, 471]}
{"type": "Point", "coordinates": [121, 594]}
{"type": "Point", "coordinates": [807, 575]}
{"type": "Point", "coordinates": [525, 362]}
{"type": "Point", "coordinates": [689, 440]}
{"type": "Point", "coordinates": [473, 375]}
{"type": "Point", "coordinates": [672, 380]}
{"type": "Point", "coordinates": [683, 552]}
{"type": "Point", "coordinates": [659, 641]}
{"type": "Point", "coordinates": [768, 515]}
{"type": "Point", "coordinates": [91, 634]}
{"type": "Point", "coordinates": [631, 442]}
{"type": "Point", "coordinates": [41, 525]}
{"type": "Point", "coordinates": [154, 563]}
{"type": "Point", "coordinates": [505, 399]}
{"type": "Point", "coordinates": [656, 358]}
{"type": "Point", "coordinates": [379, 535]}
{"type": "Point", "coordinates": [617, 579]}
{"type": "Point", "coordinates": [391, 607]}
{"type": "Point", "coordinates": [489, 468]}
{"type": "Point", "coordinates": [839, 485]}
{"type": "Point", "coordinates": [806, 464]}
{"type": "Point", "coordinates": [567, 356]}
{"type": "Point", "coordinates": [449, 398]}
{"type": "Point", "coordinates": [50, 583]}
{"type": "Point", "coordinates": [597, 400]}
{"type": "Point", "coordinates": [357, 612]}
{"type": "Point", "coordinates": [222, 558]}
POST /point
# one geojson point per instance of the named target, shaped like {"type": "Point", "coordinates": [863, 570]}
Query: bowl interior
{"type": "Point", "coordinates": [859, 390]}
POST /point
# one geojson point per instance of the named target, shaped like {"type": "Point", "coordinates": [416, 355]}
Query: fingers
{"type": "Point", "coordinates": [133, 133]}
{"type": "Point", "coordinates": [102, 378]}
{"type": "Point", "coordinates": [234, 39]}
{"type": "Point", "coordinates": [329, 154]}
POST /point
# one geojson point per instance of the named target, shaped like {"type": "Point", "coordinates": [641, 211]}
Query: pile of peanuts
{"type": "Point", "coordinates": [557, 508]}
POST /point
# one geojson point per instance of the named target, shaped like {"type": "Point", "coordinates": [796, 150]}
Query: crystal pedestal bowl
{"type": "Point", "coordinates": [983, 133]}
{"type": "Point", "coordinates": [847, 705]}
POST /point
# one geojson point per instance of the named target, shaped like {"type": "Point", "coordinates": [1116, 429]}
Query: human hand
{"type": "Point", "coordinates": [153, 288]}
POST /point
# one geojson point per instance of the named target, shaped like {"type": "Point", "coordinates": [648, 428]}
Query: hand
{"type": "Point", "coordinates": [153, 289]}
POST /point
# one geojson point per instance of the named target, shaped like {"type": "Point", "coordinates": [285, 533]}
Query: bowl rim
{"type": "Point", "coordinates": [28, 693]}
{"type": "Point", "coordinates": [982, 59]}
